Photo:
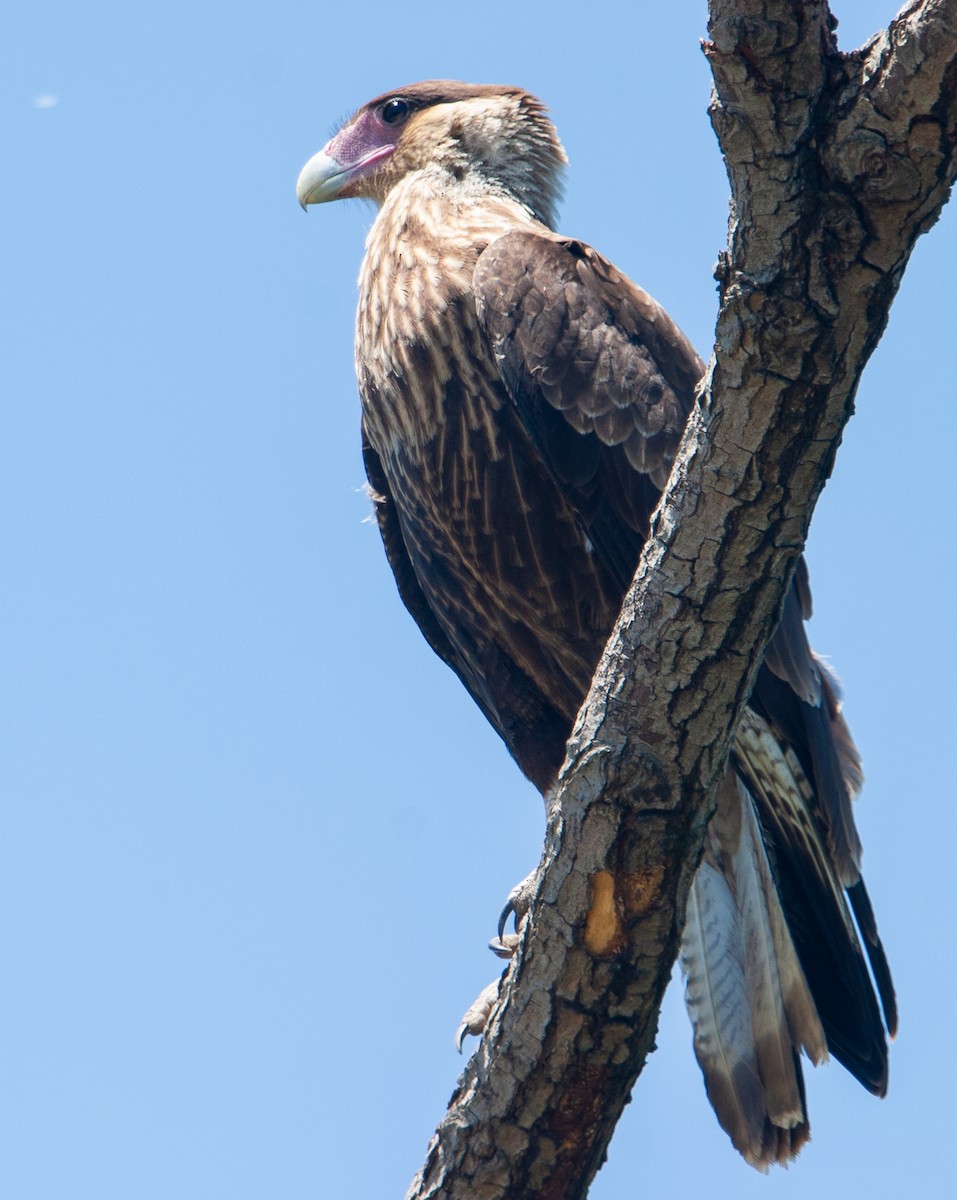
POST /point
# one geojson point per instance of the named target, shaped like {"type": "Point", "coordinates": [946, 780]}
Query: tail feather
{"type": "Point", "coordinates": [716, 997]}
{"type": "Point", "coordinates": [747, 996]}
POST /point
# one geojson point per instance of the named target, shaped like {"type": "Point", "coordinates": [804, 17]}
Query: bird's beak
{"type": "Point", "coordinates": [343, 166]}
{"type": "Point", "coordinates": [321, 179]}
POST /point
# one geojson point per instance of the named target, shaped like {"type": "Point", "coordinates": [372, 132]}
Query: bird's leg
{"type": "Point", "coordinates": [504, 945]}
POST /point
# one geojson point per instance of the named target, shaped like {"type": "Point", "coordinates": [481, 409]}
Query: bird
{"type": "Point", "coordinates": [522, 405]}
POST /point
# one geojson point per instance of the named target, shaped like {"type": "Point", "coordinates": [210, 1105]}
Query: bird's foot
{"type": "Point", "coordinates": [477, 1015]}
{"type": "Point", "coordinates": [504, 945]}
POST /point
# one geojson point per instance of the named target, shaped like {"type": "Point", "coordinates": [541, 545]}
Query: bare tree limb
{"type": "Point", "coordinates": [837, 164]}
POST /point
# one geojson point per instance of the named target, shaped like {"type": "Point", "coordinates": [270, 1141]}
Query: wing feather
{"type": "Point", "coordinates": [813, 896]}
{"type": "Point", "coordinates": [601, 376]}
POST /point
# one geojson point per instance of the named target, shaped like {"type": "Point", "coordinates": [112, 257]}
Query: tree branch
{"type": "Point", "coordinates": [837, 164]}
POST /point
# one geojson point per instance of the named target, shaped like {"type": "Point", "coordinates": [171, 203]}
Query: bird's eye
{"type": "Point", "coordinates": [395, 110]}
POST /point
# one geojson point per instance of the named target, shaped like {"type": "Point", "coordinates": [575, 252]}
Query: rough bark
{"type": "Point", "coordinates": [837, 163]}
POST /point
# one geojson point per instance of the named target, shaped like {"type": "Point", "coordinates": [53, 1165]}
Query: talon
{"type": "Point", "coordinates": [505, 945]}
{"type": "Point", "coordinates": [507, 911]}
{"type": "Point", "coordinates": [517, 905]}
{"type": "Point", "coordinates": [477, 1015]}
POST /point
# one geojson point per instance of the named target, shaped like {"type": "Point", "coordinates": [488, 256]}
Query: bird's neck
{"type": "Point", "coordinates": [436, 222]}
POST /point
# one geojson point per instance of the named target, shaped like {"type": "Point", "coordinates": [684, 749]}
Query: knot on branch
{"type": "Point", "coordinates": [883, 172]}
{"type": "Point", "coordinates": [773, 328]}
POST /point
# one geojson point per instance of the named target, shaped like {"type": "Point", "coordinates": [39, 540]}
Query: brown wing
{"type": "Point", "coordinates": [601, 376]}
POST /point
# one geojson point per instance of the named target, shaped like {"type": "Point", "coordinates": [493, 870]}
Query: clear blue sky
{"type": "Point", "coordinates": [254, 836]}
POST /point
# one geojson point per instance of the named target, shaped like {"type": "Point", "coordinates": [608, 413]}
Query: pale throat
{"type": "Point", "coordinates": [429, 233]}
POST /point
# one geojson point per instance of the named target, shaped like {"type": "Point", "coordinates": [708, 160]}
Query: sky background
{"type": "Point", "coordinates": [254, 836]}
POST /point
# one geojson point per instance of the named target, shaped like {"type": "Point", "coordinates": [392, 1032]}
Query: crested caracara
{"type": "Point", "coordinates": [522, 404]}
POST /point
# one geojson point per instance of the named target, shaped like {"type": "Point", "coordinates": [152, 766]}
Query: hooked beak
{"type": "Point", "coordinates": [341, 168]}
{"type": "Point", "coordinates": [321, 179]}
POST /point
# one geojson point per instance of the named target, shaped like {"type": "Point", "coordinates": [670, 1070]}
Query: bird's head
{"type": "Point", "coordinates": [493, 136]}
